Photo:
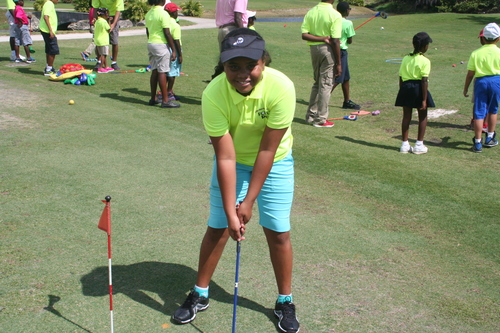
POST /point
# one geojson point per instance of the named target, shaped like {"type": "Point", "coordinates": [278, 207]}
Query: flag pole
{"type": "Point", "coordinates": [105, 224]}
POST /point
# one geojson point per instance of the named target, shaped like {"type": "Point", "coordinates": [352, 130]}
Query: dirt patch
{"type": "Point", "coordinates": [16, 99]}
{"type": "Point", "coordinates": [434, 114]}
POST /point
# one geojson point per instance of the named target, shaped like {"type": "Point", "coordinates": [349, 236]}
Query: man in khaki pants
{"type": "Point", "coordinates": [322, 29]}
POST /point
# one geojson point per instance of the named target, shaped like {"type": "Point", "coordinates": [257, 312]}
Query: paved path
{"type": "Point", "coordinates": [200, 23]}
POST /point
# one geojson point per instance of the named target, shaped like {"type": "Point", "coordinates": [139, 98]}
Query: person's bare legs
{"type": "Point", "coordinates": [478, 128]}
{"type": "Point", "coordinates": [280, 251]}
{"type": "Point", "coordinates": [422, 124]}
{"type": "Point", "coordinates": [405, 124]}
{"type": "Point", "coordinates": [346, 91]}
{"type": "Point", "coordinates": [211, 250]}
{"type": "Point", "coordinates": [492, 122]}
{"type": "Point", "coordinates": [50, 59]}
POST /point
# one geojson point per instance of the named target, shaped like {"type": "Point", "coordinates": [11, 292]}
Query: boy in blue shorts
{"type": "Point", "coordinates": [176, 65]}
{"type": "Point", "coordinates": [484, 65]}
{"type": "Point", "coordinates": [345, 39]}
{"type": "Point", "coordinates": [247, 112]}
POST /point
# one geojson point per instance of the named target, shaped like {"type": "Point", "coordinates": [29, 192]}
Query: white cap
{"type": "Point", "coordinates": [491, 31]}
{"type": "Point", "coordinates": [250, 13]}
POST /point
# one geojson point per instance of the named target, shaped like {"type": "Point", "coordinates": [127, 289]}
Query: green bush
{"type": "Point", "coordinates": [486, 6]}
{"type": "Point", "coordinates": [82, 6]}
{"type": "Point", "coordinates": [135, 10]}
{"type": "Point", "coordinates": [359, 3]}
{"type": "Point", "coordinates": [37, 5]}
{"type": "Point", "coordinates": [192, 8]}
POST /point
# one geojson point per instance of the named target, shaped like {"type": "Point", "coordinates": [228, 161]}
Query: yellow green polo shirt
{"type": "Point", "coordinates": [175, 30]}
{"type": "Point", "coordinates": [101, 32]}
{"type": "Point", "coordinates": [11, 5]}
{"type": "Point", "coordinates": [322, 20]}
{"type": "Point", "coordinates": [49, 10]}
{"type": "Point", "coordinates": [157, 19]}
{"type": "Point", "coordinates": [415, 67]}
{"type": "Point", "coordinates": [271, 103]}
{"type": "Point", "coordinates": [112, 5]}
{"type": "Point", "coordinates": [485, 61]}
{"type": "Point", "coordinates": [347, 32]}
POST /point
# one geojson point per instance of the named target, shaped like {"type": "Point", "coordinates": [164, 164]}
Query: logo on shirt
{"type": "Point", "coordinates": [263, 113]}
{"type": "Point", "coordinates": [240, 40]}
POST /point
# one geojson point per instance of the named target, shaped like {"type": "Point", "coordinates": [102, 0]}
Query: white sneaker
{"type": "Point", "coordinates": [420, 149]}
{"type": "Point", "coordinates": [405, 149]}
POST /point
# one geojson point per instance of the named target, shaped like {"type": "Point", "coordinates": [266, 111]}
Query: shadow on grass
{"type": "Point", "coordinates": [366, 143]}
{"type": "Point", "coordinates": [52, 301]}
{"type": "Point", "coordinates": [29, 71]}
{"type": "Point", "coordinates": [124, 99]}
{"type": "Point", "coordinates": [169, 281]}
{"type": "Point", "coordinates": [478, 19]}
{"type": "Point", "coordinates": [183, 100]}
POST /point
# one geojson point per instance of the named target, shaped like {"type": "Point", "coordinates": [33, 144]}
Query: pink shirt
{"type": "Point", "coordinates": [20, 15]}
{"type": "Point", "coordinates": [224, 11]}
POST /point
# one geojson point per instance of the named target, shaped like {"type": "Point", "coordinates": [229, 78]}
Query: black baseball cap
{"type": "Point", "coordinates": [242, 42]}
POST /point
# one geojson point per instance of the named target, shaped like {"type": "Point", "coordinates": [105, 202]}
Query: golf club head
{"type": "Point", "coordinates": [383, 15]}
{"type": "Point", "coordinates": [352, 117]}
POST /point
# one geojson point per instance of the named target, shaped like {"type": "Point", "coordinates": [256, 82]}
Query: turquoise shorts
{"type": "Point", "coordinates": [274, 200]}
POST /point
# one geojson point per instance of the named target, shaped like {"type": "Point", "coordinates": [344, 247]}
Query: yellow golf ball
{"type": "Point", "coordinates": [71, 102]}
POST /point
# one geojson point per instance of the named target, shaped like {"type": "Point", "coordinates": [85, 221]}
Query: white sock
{"type": "Point", "coordinates": [419, 143]}
{"type": "Point", "coordinates": [47, 67]}
{"type": "Point", "coordinates": [406, 143]}
{"type": "Point", "coordinates": [490, 135]}
{"type": "Point", "coordinates": [478, 140]}
{"type": "Point", "coordinates": [13, 53]}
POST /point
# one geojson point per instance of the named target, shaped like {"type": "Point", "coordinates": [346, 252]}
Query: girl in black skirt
{"type": "Point", "coordinates": [413, 81]}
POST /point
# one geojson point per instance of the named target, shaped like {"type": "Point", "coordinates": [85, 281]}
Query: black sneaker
{"type": "Point", "coordinates": [287, 320]}
{"type": "Point", "coordinates": [115, 67]}
{"type": "Point", "coordinates": [350, 105]}
{"type": "Point", "coordinates": [491, 142]}
{"type": "Point", "coordinates": [97, 66]}
{"type": "Point", "coordinates": [187, 311]}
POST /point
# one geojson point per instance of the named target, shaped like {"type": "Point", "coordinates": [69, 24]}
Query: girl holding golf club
{"type": "Point", "coordinates": [413, 93]}
{"type": "Point", "coordinates": [247, 112]}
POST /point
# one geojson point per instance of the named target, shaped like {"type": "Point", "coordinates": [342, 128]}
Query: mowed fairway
{"type": "Point", "coordinates": [383, 241]}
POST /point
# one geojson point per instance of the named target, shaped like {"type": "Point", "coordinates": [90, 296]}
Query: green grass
{"type": "Point", "coordinates": [384, 242]}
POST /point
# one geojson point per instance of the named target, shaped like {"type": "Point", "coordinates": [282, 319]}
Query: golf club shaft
{"type": "Point", "coordinates": [236, 280]}
{"type": "Point", "coordinates": [362, 24]}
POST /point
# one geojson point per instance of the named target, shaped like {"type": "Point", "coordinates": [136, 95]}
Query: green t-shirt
{"type": "Point", "coordinates": [347, 32]}
{"type": "Point", "coordinates": [175, 30]}
{"type": "Point", "coordinates": [485, 61]}
{"type": "Point", "coordinates": [49, 10]}
{"type": "Point", "coordinates": [271, 103]}
{"type": "Point", "coordinates": [322, 20]}
{"type": "Point", "coordinates": [157, 19]}
{"type": "Point", "coordinates": [112, 5]}
{"type": "Point", "coordinates": [101, 32]}
{"type": "Point", "coordinates": [414, 67]}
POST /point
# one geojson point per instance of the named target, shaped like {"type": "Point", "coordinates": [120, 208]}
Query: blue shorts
{"type": "Point", "coordinates": [486, 96]}
{"type": "Point", "coordinates": [175, 68]}
{"type": "Point", "coordinates": [274, 200]}
{"type": "Point", "coordinates": [345, 76]}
